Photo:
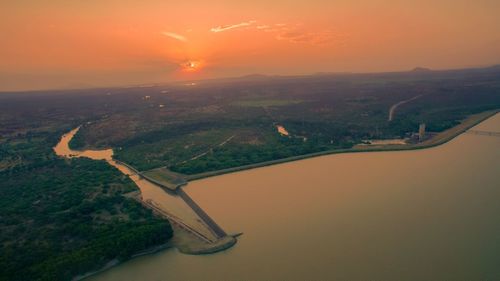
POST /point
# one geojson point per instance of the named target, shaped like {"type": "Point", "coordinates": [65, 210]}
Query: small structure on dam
{"type": "Point", "coordinates": [165, 178]}
{"type": "Point", "coordinates": [421, 132]}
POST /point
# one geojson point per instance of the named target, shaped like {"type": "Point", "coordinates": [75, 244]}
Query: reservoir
{"type": "Point", "coordinates": [431, 214]}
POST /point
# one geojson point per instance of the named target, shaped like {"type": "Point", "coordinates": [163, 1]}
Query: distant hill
{"type": "Point", "coordinates": [421, 70]}
{"type": "Point", "coordinates": [495, 67]}
{"type": "Point", "coordinates": [331, 73]}
{"type": "Point", "coordinates": [255, 76]}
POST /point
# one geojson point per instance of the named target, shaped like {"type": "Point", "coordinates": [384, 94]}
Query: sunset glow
{"type": "Point", "coordinates": [191, 66]}
{"type": "Point", "coordinates": [249, 140]}
{"type": "Point", "coordinates": [52, 44]}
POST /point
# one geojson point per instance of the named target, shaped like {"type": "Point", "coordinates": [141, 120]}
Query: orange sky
{"type": "Point", "coordinates": [60, 43]}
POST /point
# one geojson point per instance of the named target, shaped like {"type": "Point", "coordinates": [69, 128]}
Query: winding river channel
{"type": "Point", "coordinates": [431, 214]}
{"type": "Point", "coordinates": [174, 205]}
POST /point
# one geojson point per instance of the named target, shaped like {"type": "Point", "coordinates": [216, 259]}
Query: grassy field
{"type": "Point", "coordinates": [165, 177]}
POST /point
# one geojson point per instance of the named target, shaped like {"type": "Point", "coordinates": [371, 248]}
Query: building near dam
{"type": "Point", "coordinates": [421, 132]}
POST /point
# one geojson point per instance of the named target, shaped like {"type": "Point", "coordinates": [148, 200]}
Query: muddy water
{"type": "Point", "coordinates": [62, 149]}
{"type": "Point", "coordinates": [282, 131]}
{"type": "Point", "coordinates": [149, 192]}
{"type": "Point", "coordinates": [430, 214]}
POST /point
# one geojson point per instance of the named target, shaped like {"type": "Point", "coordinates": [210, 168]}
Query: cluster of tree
{"type": "Point", "coordinates": [78, 141]}
{"type": "Point", "coordinates": [174, 143]}
{"type": "Point", "coordinates": [234, 154]}
{"type": "Point", "coordinates": [61, 218]}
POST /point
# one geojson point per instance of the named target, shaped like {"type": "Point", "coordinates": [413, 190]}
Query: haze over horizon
{"type": "Point", "coordinates": [58, 44]}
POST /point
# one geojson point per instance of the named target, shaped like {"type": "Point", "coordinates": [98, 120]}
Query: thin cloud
{"type": "Point", "coordinates": [315, 38]}
{"type": "Point", "coordinates": [278, 27]}
{"type": "Point", "coordinates": [174, 36]}
{"type": "Point", "coordinates": [293, 33]}
{"type": "Point", "coordinates": [232, 26]}
{"type": "Point", "coordinates": [263, 27]}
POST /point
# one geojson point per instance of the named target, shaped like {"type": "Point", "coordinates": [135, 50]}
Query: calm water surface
{"type": "Point", "coordinates": [431, 214]}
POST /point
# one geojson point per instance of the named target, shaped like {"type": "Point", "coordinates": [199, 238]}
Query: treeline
{"type": "Point", "coordinates": [330, 111]}
{"type": "Point", "coordinates": [179, 142]}
{"type": "Point", "coordinates": [61, 218]}
{"type": "Point", "coordinates": [436, 120]}
{"type": "Point", "coordinates": [78, 140]}
{"type": "Point", "coordinates": [235, 154]}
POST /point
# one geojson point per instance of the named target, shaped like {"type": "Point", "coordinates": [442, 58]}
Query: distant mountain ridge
{"type": "Point", "coordinates": [258, 77]}
{"type": "Point", "coordinates": [419, 69]}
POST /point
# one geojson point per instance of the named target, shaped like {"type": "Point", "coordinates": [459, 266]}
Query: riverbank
{"type": "Point", "coordinates": [116, 262]}
{"type": "Point", "coordinates": [439, 139]}
{"type": "Point", "coordinates": [182, 240]}
{"type": "Point", "coordinates": [187, 239]}
{"type": "Point", "coordinates": [193, 234]}
{"type": "Point", "coordinates": [186, 243]}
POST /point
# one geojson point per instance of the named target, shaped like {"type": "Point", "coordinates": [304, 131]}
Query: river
{"type": "Point", "coordinates": [431, 214]}
{"type": "Point", "coordinates": [153, 193]}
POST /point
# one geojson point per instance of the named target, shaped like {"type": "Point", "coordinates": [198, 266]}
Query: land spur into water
{"type": "Point", "coordinates": [195, 233]}
{"type": "Point", "coordinates": [172, 204]}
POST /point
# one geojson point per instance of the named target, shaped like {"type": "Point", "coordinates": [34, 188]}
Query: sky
{"type": "Point", "coordinates": [93, 43]}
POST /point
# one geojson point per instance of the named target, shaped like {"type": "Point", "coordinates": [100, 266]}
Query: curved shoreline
{"type": "Point", "coordinates": [115, 262]}
{"type": "Point", "coordinates": [439, 139]}
{"type": "Point", "coordinates": [183, 232]}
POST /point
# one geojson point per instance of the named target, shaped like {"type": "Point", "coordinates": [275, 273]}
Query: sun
{"type": "Point", "coordinates": [191, 65]}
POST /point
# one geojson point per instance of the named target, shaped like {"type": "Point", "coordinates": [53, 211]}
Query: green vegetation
{"type": "Point", "coordinates": [61, 218]}
{"type": "Point", "coordinates": [224, 124]}
{"type": "Point", "coordinates": [438, 139]}
{"type": "Point", "coordinates": [321, 113]}
{"type": "Point", "coordinates": [234, 154]}
{"type": "Point", "coordinates": [166, 177]}
{"type": "Point", "coordinates": [77, 142]}
{"type": "Point", "coordinates": [265, 102]}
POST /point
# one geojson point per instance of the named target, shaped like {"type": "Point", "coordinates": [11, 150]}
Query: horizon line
{"type": "Point", "coordinates": [268, 75]}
